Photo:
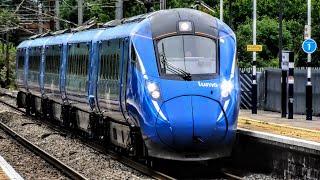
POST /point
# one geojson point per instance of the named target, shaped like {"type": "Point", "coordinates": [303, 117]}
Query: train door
{"type": "Point", "coordinates": [124, 73]}
{"type": "Point", "coordinates": [110, 78]}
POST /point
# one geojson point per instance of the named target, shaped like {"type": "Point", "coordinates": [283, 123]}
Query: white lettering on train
{"type": "Point", "coordinates": [209, 85]}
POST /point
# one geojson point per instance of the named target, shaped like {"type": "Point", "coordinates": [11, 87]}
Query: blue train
{"type": "Point", "coordinates": [162, 85]}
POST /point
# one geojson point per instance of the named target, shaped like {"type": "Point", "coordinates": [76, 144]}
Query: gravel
{"type": "Point", "coordinates": [72, 152]}
{"type": "Point", "coordinates": [258, 176]}
{"type": "Point", "coordinates": [28, 165]}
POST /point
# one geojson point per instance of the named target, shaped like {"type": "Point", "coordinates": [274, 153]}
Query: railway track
{"type": "Point", "coordinates": [44, 155]}
{"type": "Point", "coordinates": [71, 172]}
{"type": "Point", "coordinates": [124, 160]}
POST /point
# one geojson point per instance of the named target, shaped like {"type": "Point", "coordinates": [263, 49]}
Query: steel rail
{"type": "Point", "coordinates": [67, 170]}
{"type": "Point", "coordinates": [120, 158]}
{"type": "Point", "coordinates": [131, 163]}
{"type": "Point", "coordinates": [127, 161]}
{"type": "Point", "coordinates": [231, 176]}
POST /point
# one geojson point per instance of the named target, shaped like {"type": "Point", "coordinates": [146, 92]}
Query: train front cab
{"type": "Point", "coordinates": [190, 105]}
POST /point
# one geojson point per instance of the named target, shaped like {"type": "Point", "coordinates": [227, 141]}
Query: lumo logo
{"type": "Point", "coordinates": [208, 85]}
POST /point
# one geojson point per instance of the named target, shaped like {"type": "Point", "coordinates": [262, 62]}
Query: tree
{"type": "Point", "coordinates": [267, 35]}
{"type": "Point", "coordinates": [8, 23]}
{"type": "Point", "coordinates": [237, 13]}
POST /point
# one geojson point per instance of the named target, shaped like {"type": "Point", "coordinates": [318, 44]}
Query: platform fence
{"type": "Point", "coordinates": [269, 89]}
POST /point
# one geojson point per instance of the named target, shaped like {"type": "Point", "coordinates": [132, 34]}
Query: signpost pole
{"type": "Point", "coordinates": [254, 60]}
{"type": "Point", "coordinates": [309, 83]}
{"type": "Point", "coordinates": [291, 85]}
{"type": "Point", "coordinates": [284, 75]}
{"type": "Point", "coordinates": [283, 72]}
{"type": "Point", "coordinates": [284, 85]}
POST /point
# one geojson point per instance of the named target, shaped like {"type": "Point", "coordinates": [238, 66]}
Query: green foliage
{"type": "Point", "coordinates": [102, 10]}
{"type": "Point", "coordinates": [267, 35]}
{"type": "Point", "coordinates": [3, 68]}
{"type": "Point", "coordinates": [237, 14]}
{"type": "Point", "coordinates": [294, 19]}
{"type": "Point", "coordinates": [8, 20]}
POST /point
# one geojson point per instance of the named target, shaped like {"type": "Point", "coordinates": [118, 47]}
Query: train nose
{"type": "Point", "coordinates": [191, 121]}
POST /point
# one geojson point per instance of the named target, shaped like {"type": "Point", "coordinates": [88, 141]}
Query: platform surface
{"type": "Point", "coordinates": [271, 122]}
{"type": "Point", "coordinates": [7, 172]}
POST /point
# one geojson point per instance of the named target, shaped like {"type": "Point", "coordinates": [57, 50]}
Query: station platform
{"type": "Point", "coordinates": [271, 122]}
{"type": "Point", "coordinates": [7, 172]}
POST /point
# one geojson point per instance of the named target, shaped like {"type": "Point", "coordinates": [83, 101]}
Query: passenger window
{"type": "Point", "coordinates": [34, 66]}
{"type": "Point", "coordinates": [52, 67]}
{"type": "Point", "coordinates": [20, 59]}
{"type": "Point", "coordinates": [109, 72]}
{"type": "Point", "coordinates": [110, 60]}
{"type": "Point", "coordinates": [78, 63]}
{"type": "Point", "coordinates": [20, 64]}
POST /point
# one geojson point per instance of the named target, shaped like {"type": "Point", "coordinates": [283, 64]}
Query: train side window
{"type": "Point", "coordinates": [52, 60]}
{"type": "Point", "coordinates": [20, 59]}
{"type": "Point", "coordinates": [34, 66]}
{"type": "Point", "coordinates": [134, 58]}
{"type": "Point", "coordinates": [77, 71]}
{"type": "Point", "coordinates": [20, 64]}
{"type": "Point", "coordinates": [110, 60]}
{"type": "Point", "coordinates": [109, 72]}
{"type": "Point", "coordinates": [52, 67]}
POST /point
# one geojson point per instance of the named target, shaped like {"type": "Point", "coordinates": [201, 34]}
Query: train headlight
{"type": "Point", "coordinates": [153, 90]}
{"type": "Point", "coordinates": [185, 26]}
{"type": "Point", "coordinates": [155, 94]}
{"type": "Point", "coordinates": [152, 87]}
{"type": "Point", "coordinates": [226, 88]}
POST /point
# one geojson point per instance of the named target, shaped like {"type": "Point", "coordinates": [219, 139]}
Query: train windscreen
{"type": "Point", "coordinates": [194, 55]}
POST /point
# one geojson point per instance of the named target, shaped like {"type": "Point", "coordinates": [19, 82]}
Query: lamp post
{"type": "Point", "coordinates": [309, 83]}
{"type": "Point", "coordinates": [221, 10]}
{"type": "Point", "coordinates": [254, 60]}
{"type": "Point", "coordinates": [283, 71]}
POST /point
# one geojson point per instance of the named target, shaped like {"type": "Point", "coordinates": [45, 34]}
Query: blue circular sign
{"type": "Point", "coordinates": [309, 46]}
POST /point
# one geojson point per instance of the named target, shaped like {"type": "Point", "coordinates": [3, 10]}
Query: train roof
{"type": "Point", "coordinates": [82, 36]}
{"type": "Point", "coordinates": [159, 25]}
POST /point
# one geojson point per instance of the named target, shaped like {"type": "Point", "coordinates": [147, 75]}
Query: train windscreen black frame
{"type": "Point", "coordinates": [196, 55]}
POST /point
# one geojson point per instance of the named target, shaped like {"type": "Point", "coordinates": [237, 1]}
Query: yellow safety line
{"type": "Point", "coordinates": [3, 176]}
{"type": "Point", "coordinates": [278, 125]}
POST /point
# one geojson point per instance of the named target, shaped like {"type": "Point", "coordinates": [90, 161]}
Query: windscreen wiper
{"type": "Point", "coordinates": [172, 68]}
